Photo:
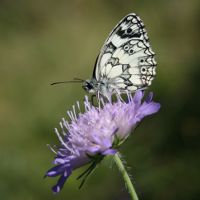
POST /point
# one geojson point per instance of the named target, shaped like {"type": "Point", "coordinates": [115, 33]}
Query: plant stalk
{"type": "Point", "coordinates": [126, 177]}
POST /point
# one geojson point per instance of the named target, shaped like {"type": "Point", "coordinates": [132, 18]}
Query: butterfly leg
{"type": "Point", "coordinates": [92, 99]}
{"type": "Point", "coordinates": [118, 95]}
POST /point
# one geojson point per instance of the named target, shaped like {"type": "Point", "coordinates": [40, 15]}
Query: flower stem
{"type": "Point", "coordinates": [126, 177]}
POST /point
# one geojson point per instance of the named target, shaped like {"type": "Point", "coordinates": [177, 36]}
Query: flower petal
{"type": "Point", "coordinates": [148, 109]}
{"type": "Point", "coordinates": [138, 97]}
{"type": "Point", "coordinates": [61, 181]}
{"type": "Point", "coordinates": [55, 171]}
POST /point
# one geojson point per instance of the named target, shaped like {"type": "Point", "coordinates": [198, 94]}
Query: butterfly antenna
{"type": "Point", "coordinates": [76, 80]}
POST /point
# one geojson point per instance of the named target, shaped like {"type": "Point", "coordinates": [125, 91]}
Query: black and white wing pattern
{"type": "Point", "coordinates": [126, 61]}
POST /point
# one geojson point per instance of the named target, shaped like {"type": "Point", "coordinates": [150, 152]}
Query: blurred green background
{"type": "Point", "coordinates": [46, 41]}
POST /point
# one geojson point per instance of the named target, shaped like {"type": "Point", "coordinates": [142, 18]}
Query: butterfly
{"type": "Point", "coordinates": [126, 61]}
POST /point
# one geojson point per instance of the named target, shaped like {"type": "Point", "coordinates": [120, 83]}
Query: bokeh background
{"type": "Point", "coordinates": [46, 41]}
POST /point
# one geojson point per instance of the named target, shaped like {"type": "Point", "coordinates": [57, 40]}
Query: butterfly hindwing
{"type": "Point", "coordinates": [126, 60]}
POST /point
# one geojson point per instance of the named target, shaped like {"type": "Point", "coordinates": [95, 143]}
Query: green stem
{"type": "Point", "coordinates": [125, 176]}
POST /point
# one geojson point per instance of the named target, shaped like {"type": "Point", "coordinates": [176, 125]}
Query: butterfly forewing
{"type": "Point", "coordinates": [126, 60]}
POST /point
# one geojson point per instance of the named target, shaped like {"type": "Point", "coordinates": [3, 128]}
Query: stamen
{"type": "Point", "coordinates": [78, 105]}
{"type": "Point", "coordinates": [66, 124]}
{"type": "Point", "coordinates": [73, 117]}
{"type": "Point", "coordinates": [74, 111]}
{"type": "Point", "coordinates": [87, 104]}
{"type": "Point", "coordinates": [61, 140]}
{"type": "Point", "coordinates": [69, 114]}
{"type": "Point", "coordinates": [51, 148]}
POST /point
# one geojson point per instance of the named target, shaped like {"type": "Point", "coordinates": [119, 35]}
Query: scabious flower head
{"type": "Point", "coordinates": [97, 132]}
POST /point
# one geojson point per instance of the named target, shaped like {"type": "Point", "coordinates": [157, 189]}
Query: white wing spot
{"type": "Point", "coordinates": [134, 20]}
{"type": "Point", "coordinates": [115, 71]}
{"type": "Point", "coordinates": [120, 85]}
{"type": "Point", "coordinates": [132, 88]}
{"type": "Point", "coordinates": [108, 68]}
{"type": "Point", "coordinates": [133, 42]}
{"type": "Point", "coordinates": [141, 44]}
{"type": "Point", "coordinates": [134, 70]}
{"type": "Point", "coordinates": [135, 79]}
{"type": "Point", "coordinates": [105, 58]}
{"type": "Point", "coordinates": [129, 17]}
{"type": "Point", "coordinates": [154, 71]}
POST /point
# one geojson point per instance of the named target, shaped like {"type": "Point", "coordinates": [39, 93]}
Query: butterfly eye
{"type": "Point", "coordinates": [126, 47]}
{"type": "Point", "coordinates": [131, 51]}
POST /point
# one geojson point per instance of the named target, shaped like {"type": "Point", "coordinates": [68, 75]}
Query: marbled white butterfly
{"type": "Point", "coordinates": [126, 61]}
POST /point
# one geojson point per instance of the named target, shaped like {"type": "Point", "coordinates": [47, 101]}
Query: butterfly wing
{"type": "Point", "coordinates": [126, 60]}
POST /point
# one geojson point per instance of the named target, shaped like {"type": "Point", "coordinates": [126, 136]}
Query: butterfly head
{"type": "Point", "coordinates": [88, 86]}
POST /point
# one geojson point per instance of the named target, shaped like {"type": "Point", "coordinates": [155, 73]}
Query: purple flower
{"type": "Point", "coordinates": [99, 131]}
